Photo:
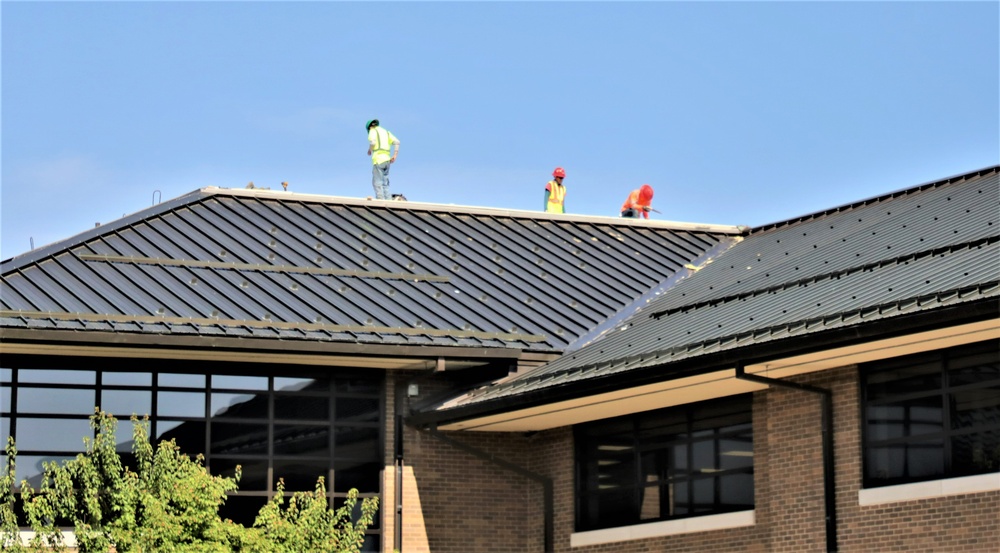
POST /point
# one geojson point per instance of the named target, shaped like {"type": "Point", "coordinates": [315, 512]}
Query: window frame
{"type": "Point", "coordinates": [586, 460]}
{"type": "Point", "coordinates": [945, 390]}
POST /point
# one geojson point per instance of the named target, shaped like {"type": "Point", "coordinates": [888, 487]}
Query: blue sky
{"type": "Point", "coordinates": [735, 112]}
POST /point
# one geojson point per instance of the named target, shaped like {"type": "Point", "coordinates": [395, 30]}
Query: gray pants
{"type": "Point", "coordinates": [380, 180]}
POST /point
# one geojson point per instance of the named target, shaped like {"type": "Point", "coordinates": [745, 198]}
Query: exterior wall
{"type": "Point", "coordinates": [470, 505]}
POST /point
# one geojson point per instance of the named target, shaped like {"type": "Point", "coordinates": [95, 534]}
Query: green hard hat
{"type": "Point", "coordinates": [368, 125]}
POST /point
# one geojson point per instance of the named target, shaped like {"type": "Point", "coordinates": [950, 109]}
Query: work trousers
{"type": "Point", "coordinates": [380, 180]}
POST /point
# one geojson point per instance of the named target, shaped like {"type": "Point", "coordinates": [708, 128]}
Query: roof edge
{"type": "Point", "coordinates": [986, 171]}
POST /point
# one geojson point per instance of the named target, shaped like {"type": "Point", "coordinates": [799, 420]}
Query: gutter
{"type": "Point", "coordinates": [545, 481]}
{"type": "Point", "coordinates": [829, 482]}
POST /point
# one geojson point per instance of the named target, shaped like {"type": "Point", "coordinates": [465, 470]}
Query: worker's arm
{"type": "Point", "coordinates": [396, 153]}
{"type": "Point", "coordinates": [545, 206]}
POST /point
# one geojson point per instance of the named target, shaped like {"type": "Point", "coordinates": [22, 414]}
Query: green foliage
{"type": "Point", "coordinates": [169, 504]}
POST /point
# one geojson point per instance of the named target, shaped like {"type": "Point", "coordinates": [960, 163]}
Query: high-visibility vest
{"type": "Point", "coordinates": [634, 202]}
{"type": "Point", "coordinates": [557, 195]}
{"type": "Point", "coordinates": [383, 139]}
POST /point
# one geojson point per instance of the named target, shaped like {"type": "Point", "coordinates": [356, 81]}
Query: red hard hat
{"type": "Point", "coordinates": [559, 173]}
{"type": "Point", "coordinates": [646, 193]}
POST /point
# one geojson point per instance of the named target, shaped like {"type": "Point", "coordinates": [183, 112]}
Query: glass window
{"type": "Point", "coordinates": [301, 408]}
{"type": "Point", "coordinates": [127, 379]}
{"type": "Point", "coordinates": [239, 382]}
{"type": "Point", "coordinates": [352, 442]}
{"type": "Point", "coordinates": [233, 438]}
{"type": "Point", "coordinates": [33, 434]}
{"type": "Point", "coordinates": [241, 406]}
{"type": "Point", "coordinates": [932, 415]}
{"type": "Point", "coordinates": [350, 409]}
{"type": "Point", "coordinates": [254, 472]}
{"type": "Point", "coordinates": [306, 440]}
{"type": "Point", "coordinates": [124, 403]}
{"type": "Point", "coordinates": [189, 435]}
{"type": "Point", "coordinates": [4, 399]}
{"type": "Point", "coordinates": [46, 376]}
{"type": "Point", "coordinates": [670, 463]}
{"type": "Point", "coordinates": [301, 475]}
{"type": "Point", "coordinates": [180, 404]}
{"type": "Point", "coordinates": [29, 467]}
{"type": "Point", "coordinates": [289, 384]}
{"type": "Point", "coordinates": [57, 401]}
{"type": "Point", "coordinates": [171, 380]}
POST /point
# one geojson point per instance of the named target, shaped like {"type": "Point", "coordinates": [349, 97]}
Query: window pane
{"type": "Point", "coordinates": [180, 404]}
{"type": "Point", "coordinates": [301, 475]}
{"type": "Point", "coordinates": [230, 438]}
{"type": "Point", "coordinates": [978, 365]}
{"type": "Point", "coordinates": [56, 401]}
{"type": "Point", "coordinates": [976, 453]}
{"type": "Point", "coordinates": [254, 472]}
{"type": "Point", "coordinates": [906, 460]}
{"type": "Point", "coordinates": [127, 379]}
{"type": "Point", "coordinates": [189, 435]}
{"type": "Point", "coordinates": [358, 385]}
{"type": "Point", "coordinates": [123, 403]}
{"type": "Point", "coordinates": [290, 384]}
{"type": "Point", "coordinates": [736, 452]}
{"type": "Point", "coordinates": [4, 399]}
{"type": "Point", "coordinates": [704, 494]}
{"type": "Point", "coordinates": [301, 408]}
{"type": "Point", "coordinates": [239, 382]}
{"type": "Point", "coordinates": [903, 376]}
{"type": "Point", "coordinates": [351, 442]}
{"type": "Point", "coordinates": [736, 491]}
{"type": "Point", "coordinates": [47, 376]}
{"type": "Point", "coordinates": [906, 418]}
{"type": "Point", "coordinates": [4, 431]}
{"type": "Point", "coordinates": [302, 440]}
{"type": "Point", "coordinates": [357, 409]}
{"type": "Point", "coordinates": [6, 375]}
{"type": "Point", "coordinates": [654, 502]}
{"type": "Point", "coordinates": [29, 467]}
{"type": "Point", "coordinates": [181, 380]}
{"type": "Point", "coordinates": [51, 434]}
{"type": "Point", "coordinates": [976, 408]}
{"type": "Point", "coordinates": [242, 406]}
{"type": "Point", "coordinates": [351, 474]}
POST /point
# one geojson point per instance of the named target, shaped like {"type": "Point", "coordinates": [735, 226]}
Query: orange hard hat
{"type": "Point", "coordinates": [646, 193]}
{"type": "Point", "coordinates": [558, 172]}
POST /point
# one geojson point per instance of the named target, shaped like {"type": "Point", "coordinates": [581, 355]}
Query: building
{"type": "Point", "coordinates": [509, 381]}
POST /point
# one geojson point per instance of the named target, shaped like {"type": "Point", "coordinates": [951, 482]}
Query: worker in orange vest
{"type": "Point", "coordinates": [638, 202]}
{"type": "Point", "coordinates": [555, 192]}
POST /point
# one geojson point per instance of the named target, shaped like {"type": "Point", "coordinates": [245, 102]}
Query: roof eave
{"type": "Point", "coordinates": [954, 315]}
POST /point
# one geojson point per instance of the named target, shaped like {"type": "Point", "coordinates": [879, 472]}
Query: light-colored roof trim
{"type": "Point", "coordinates": [468, 210]}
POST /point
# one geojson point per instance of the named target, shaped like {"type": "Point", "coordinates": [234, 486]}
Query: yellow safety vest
{"type": "Point", "coordinates": [557, 194]}
{"type": "Point", "coordinates": [383, 139]}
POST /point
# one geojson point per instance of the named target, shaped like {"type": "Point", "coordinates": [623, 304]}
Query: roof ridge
{"type": "Point", "coordinates": [987, 171]}
{"type": "Point", "coordinates": [825, 276]}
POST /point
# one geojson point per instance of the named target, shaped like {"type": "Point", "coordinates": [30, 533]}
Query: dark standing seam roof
{"type": "Point", "coordinates": [919, 249]}
{"type": "Point", "coordinates": [286, 266]}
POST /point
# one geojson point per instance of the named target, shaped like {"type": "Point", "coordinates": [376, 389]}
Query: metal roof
{"type": "Point", "coordinates": [279, 265]}
{"type": "Point", "coordinates": [925, 248]}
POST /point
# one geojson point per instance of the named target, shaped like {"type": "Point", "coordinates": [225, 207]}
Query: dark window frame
{"type": "Point", "coordinates": [341, 384]}
{"type": "Point", "coordinates": [944, 390]}
{"type": "Point", "coordinates": [736, 424]}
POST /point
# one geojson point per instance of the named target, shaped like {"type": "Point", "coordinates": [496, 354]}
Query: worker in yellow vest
{"type": "Point", "coordinates": [555, 192]}
{"type": "Point", "coordinates": [380, 142]}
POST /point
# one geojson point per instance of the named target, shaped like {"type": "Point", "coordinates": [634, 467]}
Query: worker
{"type": "Point", "coordinates": [380, 142]}
{"type": "Point", "coordinates": [638, 202]}
{"type": "Point", "coordinates": [555, 192]}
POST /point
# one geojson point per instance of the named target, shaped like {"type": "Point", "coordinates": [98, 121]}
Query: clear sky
{"type": "Point", "coordinates": [739, 113]}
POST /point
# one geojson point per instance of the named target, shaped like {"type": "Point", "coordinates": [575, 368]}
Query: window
{"type": "Point", "coordinates": [671, 463]}
{"type": "Point", "coordinates": [932, 415]}
{"type": "Point", "coordinates": [297, 426]}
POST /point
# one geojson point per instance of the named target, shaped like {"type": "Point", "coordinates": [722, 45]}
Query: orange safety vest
{"type": "Point", "coordinates": [634, 202]}
{"type": "Point", "coordinates": [557, 196]}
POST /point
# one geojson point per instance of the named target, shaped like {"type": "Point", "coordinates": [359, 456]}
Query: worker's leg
{"type": "Point", "coordinates": [380, 180]}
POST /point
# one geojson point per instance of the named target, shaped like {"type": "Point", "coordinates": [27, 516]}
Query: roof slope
{"type": "Point", "coordinates": [914, 250]}
{"type": "Point", "coordinates": [272, 264]}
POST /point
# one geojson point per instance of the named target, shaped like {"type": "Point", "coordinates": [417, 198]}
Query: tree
{"type": "Point", "coordinates": [169, 503]}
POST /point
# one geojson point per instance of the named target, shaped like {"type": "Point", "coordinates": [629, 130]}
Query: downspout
{"type": "Point", "coordinates": [545, 481]}
{"type": "Point", "coordinates": [829, 484]}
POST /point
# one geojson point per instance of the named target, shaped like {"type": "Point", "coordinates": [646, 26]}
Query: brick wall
{"type": "Point", "coordinates": [460, 503]}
